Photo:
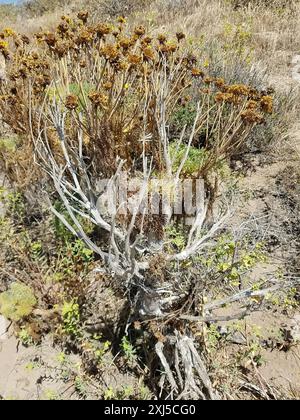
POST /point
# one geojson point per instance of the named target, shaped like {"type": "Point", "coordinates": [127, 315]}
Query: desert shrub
{"type": "Point", "coordinates": [18, 302]}
{"type": "Point", "coordinates": [103, 102]}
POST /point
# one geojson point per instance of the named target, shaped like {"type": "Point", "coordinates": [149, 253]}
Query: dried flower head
{"type": "Point", "coordinates": [67, 19]}
{"type": "Point", "coordinates": [25, 39]}
{"type": "Point", "coordinates": [61, 49]}
{"type": "Point", "coordinates": [50, 39]}
{"type": "Point", "coordinates": [84, 38]}
{"type": "Point", "coordinates": [219, 83]}
{"type": "Point", "coordinates": [71, 102]}
{"type": "Point", "coordinates": [148, 54]}
{"type": "Point", "coordinates": [208, 80]}
{"type": "Point", "coordinates": [229, 98]}
{"type": "Point", "coordinates": [140, 31]}
{"type": "Point", "coordinates": [102, 29]}
{"type": "Point", "coordinates": [238, 90]}
{"type": "Point", "coordinates": [3, 45]}
{"type": "Point", "coordinates": [197, 72]}
{"type": "Point", "coordinates": [253, 105]}
{"type": "Point", "coordinates": [110, 52]}
{"type": "Point", "coordinates": [98, 99]}
{"type": "Point", "coordinates": [180, 36]}
{"type": "Point", "coordinates": [251, 116]}
{"type": "Point", "coordinates": [83, 16]}
{"type": "Point", "coordinates": [63, 28]}
{"type": "Point", "coordinates": [162, 39]}
{"type": "Point", "coordinates": [107, 85]}
{"type": "Point", "coordinates": [8, 32]}
{"type": "Point", "coordinates": [39, 36]}
{"type": "Point", "coordinates": [125, 43]}
{"type": "Point", "coordinates": [190, 61]}
{"type": "Point", "coordinates": [147, 40]}
{"type": "Point", "coordinates": [266, 103]}
{"type": "Point", "coordinates": [134, 59]}
{"type": "Point", "coordinates": [4, 49]}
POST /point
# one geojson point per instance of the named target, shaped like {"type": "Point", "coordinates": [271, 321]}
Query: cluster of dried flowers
{"type": "Point", "coordinates": [110, 80]}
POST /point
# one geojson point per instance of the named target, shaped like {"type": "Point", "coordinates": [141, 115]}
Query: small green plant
{"type": "Point", "coordinates": [18, 302]}
{"type": "Point", "coordinates": [128, 392]}
{"type": "Point", "coordinates": [195, 160]}
{"type": "Point", "coordinates": [109, 394]}
{"type": "Point", "coordinates": [128, 349]}
{"type": "Point", "coordinates": [184, 115]}
{"type": "Point", "coordinates": [175, 237]}
{"type": "Point", "coordinates": [8, 144]}
{"type": "Point", "coordinates": [71, 318]}
{"type": "Point", "coordinates": [80, 252]}
{"type": "Point", "coordinates": [25, 337]}
{"type": "Point", "coordinates": [31, 366]}
{"type": "Point", "coordinates": [213, 336]}
{"type": "Point", "coordinates": [144, 393]}
{"type": "Point", "coordinates": [60, 230]}
{"type": "Point", "coordinates": [15, 205]}
{"type": "Point", "coordinates": [36, 249]}
{"type": "Point", "coordinates": [102, 350]}
{"type": "Point", "coordinates": [51, 395]}
{"type": "Point", "coordinates": [61, 358]}
{"type": "Point", "coordinates": [80, 386]}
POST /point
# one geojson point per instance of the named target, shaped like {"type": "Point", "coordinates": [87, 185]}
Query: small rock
{"type": "Point", "coordinates": [292, 331]}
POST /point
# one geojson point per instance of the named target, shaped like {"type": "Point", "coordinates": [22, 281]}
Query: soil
{"type": "Point", "coordinates": [31, 373]}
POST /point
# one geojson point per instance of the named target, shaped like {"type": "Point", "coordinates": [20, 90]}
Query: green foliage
{"type": "Point", "coordinates": [36, 250]}
{"type": "Point", "coordinates": [230, 260]}
{"type": "Point", "coordinates": [109, 394]}
{"type": "Point", "coordinates": [71, 318]}
{"type": "Point", "coordinates": [101, 351]}
{"type": "Point", "coordinates": [51, 395]}
{"type": "Point", "coordinates": [80, 90]}
{"type": "Point", "coordinates": [98, 348]}
{"type": "Point", "coordinates": [195, 160]}
{"type": "Point", "coordinates": [128, 392]}
{"type": "Point", "coordinates": [128, 349]}
{"type": "Point", "coordinates": [184, 115]}
{"type": "Point", "coordinates": [75, 258]}
{"type": "Point", "coordinates": [61, 232]}
{"type": "Point", "coordinates": [238, 40]}
{"type": "Point", "coordinates": [80, 252]}
{"type": "Point", "coordinates": [175, 236]}
{"type": "Point", "coordinates": [15, 204]}
{"type": "Point", "coordinates": [25, 337]}
{"type": "Point", "coordinates": [213, 335]}
{"type": "Point", "coordinates": [8, 144]}
{"type": "Point", "coordinates": [18, 302]}
{"type": "Point", "coordinates": [80, 386]}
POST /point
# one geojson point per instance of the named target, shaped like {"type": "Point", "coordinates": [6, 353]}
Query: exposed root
{"type": "Point", "coordinates": [185, 371]}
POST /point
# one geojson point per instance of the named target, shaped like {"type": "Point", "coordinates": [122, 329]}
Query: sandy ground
{"type": "Point", "coordinates": [33, 373]}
